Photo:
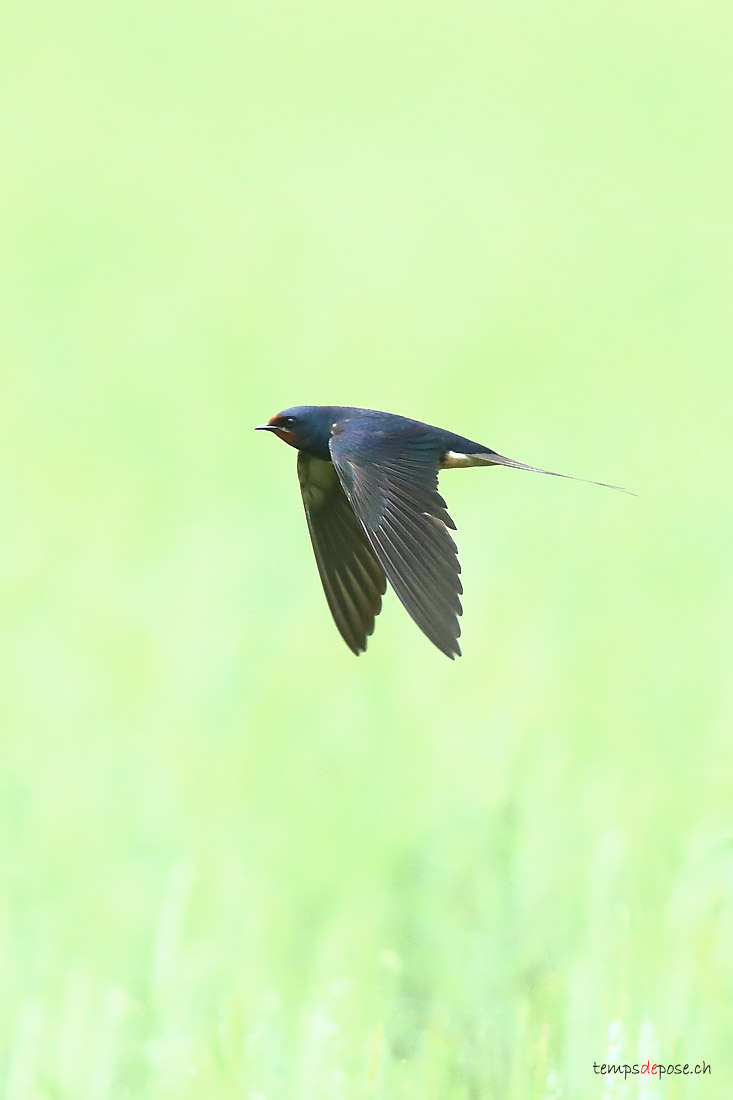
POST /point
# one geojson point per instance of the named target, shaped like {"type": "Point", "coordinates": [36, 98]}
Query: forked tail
{"type": "Point", "coordinates": [500, 460]}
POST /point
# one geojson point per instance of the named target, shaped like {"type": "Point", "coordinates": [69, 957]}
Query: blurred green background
{"type": "Point", "coordinates": [236, 861]}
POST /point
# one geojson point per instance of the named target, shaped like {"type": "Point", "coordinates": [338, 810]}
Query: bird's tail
{"type": "Point", "coordinates": [493, 459]}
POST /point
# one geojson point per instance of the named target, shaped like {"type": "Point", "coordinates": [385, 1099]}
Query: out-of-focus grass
{"type": "Point", "coordinates": [236, 860]}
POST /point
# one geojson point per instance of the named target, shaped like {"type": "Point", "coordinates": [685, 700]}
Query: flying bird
{"type": "Point", "coordinates": [369, 482]}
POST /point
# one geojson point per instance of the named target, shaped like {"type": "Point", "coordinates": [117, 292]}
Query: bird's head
{"type": "Point", "coordinates": [285, 425]}
{"type": "Point", "coordinates": [305, 427]}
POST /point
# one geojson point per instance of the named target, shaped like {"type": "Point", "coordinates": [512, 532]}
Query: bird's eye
{"type": "Point", "coordinates": [288, 421]}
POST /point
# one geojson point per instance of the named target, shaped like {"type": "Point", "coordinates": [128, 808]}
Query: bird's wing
{"type": "Point", "coordinates": [352, 578]}
{"type": "Point", "coordinates": [393, 488]}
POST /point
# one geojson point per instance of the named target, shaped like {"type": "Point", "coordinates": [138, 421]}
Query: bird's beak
{"type": "Point", "coordinates": [265, 428]}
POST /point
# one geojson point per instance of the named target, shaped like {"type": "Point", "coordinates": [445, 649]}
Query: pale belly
{"type": "Point", "coordinates": [455, 460]}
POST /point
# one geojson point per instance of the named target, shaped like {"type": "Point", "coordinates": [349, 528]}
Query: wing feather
{"type": "Point", "coordinates": [352, 578]}
{"type": "Point", "coordinates": [394, 493]}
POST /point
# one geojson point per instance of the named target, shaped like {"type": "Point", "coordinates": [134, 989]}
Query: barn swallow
{"type": "Point", "coordinates": [369, 482]}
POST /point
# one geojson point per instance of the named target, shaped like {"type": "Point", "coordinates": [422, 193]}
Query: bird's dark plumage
{"type": "Point", "coordinates": [352, 578]}
{"type": "Point", "coordinates": [369, 482]}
